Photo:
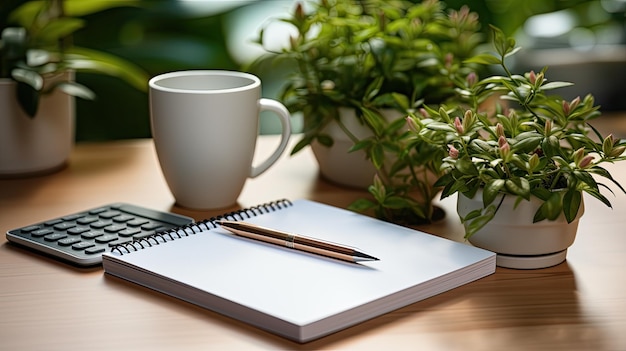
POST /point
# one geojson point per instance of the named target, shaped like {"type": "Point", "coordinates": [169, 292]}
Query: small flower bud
{"type": "Point", "coordinates": [533, 162]}
{"type": "Point", "coordinates": [453, 152]}
{"type": "Point", "coordinates": [505, 148]}
{"type": "Point", "coordinates": [548, 127]}
{"type": "Point", "coordinates": [566, 108]}
{"type": "Point", "coordinates": [458, 125]}
{"type": "Point", "coordinates": [444, 115]}
{"type": "Point", "coordinates": [471, 79]}
{"type": "Point", "coordinates": [532, 77]}
{"type": "Point", "coordinates": [293, 41]}
{"type": "Point", "coordinates": [413, 126]}
{"type": "Point", "coordinates": [499, 130]}
{"type": "Point", "coordinates": [607, 144]}
{"type": "Point", "coordinates": [539, 79]}
{"type": "Point", "coordinates": [299, 12]}
{"type": "Point", "coordinates": [512, 114]}
{"type": "Point", "coordinates": [468, 120]}
{"type": "Point", "coordinates": [586, 161]}
{"type": "Point", "coordinates": [617, 151]}
{"type": "Point", "coordinates": [578, 155]}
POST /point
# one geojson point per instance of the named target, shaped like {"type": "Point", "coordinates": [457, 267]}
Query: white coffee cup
{"type": "Point", "coordinates": [205, 125]}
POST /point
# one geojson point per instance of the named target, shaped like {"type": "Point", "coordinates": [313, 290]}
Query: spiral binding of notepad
{"type": "Point", "coordinates": [197, 227]}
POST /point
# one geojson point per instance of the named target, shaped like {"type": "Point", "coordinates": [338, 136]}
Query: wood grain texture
{"type": "Point", "coordinates": [48, 305]}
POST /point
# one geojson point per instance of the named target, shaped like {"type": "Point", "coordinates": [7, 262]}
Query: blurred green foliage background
{"type": "Point", "coordinates": [167, 35]}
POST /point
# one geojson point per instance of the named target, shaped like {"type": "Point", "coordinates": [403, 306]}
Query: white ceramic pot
{"type": "Point", "coordinates": [518, 241]}
{"type": "Point", "coordinates": [337, 163]}
{"type": "Point", "coordinates": [35, 145]}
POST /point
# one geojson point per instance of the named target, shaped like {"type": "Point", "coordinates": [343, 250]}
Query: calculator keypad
{"type": "Point", "coordinates": [82, 237]}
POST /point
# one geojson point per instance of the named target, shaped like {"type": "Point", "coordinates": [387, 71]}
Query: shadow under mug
{"type": "Point", "coordinates": [205, 125]}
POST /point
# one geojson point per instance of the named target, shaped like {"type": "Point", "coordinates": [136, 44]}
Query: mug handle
{"type": "Point", "coordinates": [285, 120]}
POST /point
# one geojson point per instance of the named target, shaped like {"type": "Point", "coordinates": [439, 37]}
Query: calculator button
{"type": "Point", "coordinates": [109, 214]}
{"type": "Point", "coordinates": [95, 250]}
{"type": "Point", "coordinates": [41, 232]}
{"type": "Point", "coordinates": [143, 235]}
{"type": "Point", "coordinates": [114, 228]}
{"type": "Point", "coordinates": [83, 245]}
{"type": "Point", "coordinates": [55, 236]}
{"type": "Point", "coordinates": [106, 238]}
{"type": "Point", "coordinates": [64, 226]}
{"type": "Point", "coordinates": [68, 241]}
{"type": "Point", "coordinates": [53, 222]}
{"type": "Point", "coordinates": [137, 222]}
{"type": "Point", "coordinates": [122, 218]}
{"type": "Point", "coordinates": [129, 232]}
{"type": "Point", "coordinates": [30, 229]}
{"type": "Point", "coordinates": [120, 241]}
{"type": "Point", "coordinates": [91, 234]}
{"type": "Point", "coordinates": [98, 210]}
{"type": "Point", "coordinates": [87, 220]}
{"type": "Point", "coordinates": [78, 230]}
{"type": "Point", "coordinates": [72, 217]}
{"type": "Point", "coordinates": [99, 224]}
{"type": "Point", "coordinates": [151, 226]}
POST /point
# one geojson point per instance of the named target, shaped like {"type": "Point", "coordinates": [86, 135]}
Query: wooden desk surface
{"type": "Point", "coordinates": [48, 305]}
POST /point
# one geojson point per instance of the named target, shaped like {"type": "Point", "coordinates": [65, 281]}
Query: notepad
{"type": "Point", "coordinates": [298, 295]}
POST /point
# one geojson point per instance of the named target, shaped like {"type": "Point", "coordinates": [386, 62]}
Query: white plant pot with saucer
{"type": "Point", "coordinates": [336, 162]}
{"type": "Point", "coordinates": [30, 146]}
{"type": "Point", "coordinates": [518, 242]}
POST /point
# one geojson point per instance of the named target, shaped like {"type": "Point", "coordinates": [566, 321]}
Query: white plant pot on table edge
{"type": "Point", "coordinates": [40, 144]}
{"type": "Point", "coordinates": [518, 242]}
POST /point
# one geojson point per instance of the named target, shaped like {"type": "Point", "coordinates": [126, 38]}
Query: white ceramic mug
{"type": "Point", "coordinates": [205, 125]}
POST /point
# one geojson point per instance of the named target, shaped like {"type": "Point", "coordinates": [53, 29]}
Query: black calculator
{"type": "Point", "coordinates": [81, 238]}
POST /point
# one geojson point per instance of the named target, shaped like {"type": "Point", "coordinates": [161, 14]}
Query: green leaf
{"type": "Point", "coordinates": [304, 142]}
{"type": "Point", "coordinates": [526, 144]}
{"type": "Point", "coordinates": [484, 59]}
{"type": "Point", "coordinates": [478, 222]}
{"type": "Point", "coordinates": [396, 202]}
{"type": "Point", "coordinates": [361, 205]}
{"type": "Point", "coordinates": [491, 190]}
{"type": "Point", "coordinates": [361, 144]}
{"type": "Point", "coordinates": [324, 139]}
{"type": "Point", "coordinates": [33, 79]}
{"type": "Point", "coordinates": [439, 126]}
{"type": "Point", "coordinates": [571, 204]}
{"type": "Point", "coordinates": [60, 28]}
{"type": "Point", "coordinates": [466, 166]}
{"type": "Point", "coordinates": [377, 155]}
{"type": "Point", "coordinates": [603, 172]}
{"type": "Point", "coordinates": [373, 89]}
{"type": "Point", "coordinates": [555, 85]}
{"type": "Point", "coordinates": [402, 100]}
{"type": "Point", "coordinates": [551, 209]}
{"type": "Point", "coordinates": [86, 60]}
{"type": "Point", "coordinates": [518, 186]}
{"type": "Point", "coordinates": [75, 89]}
{"type": "Point", "coordinates": [596, 193]}
{"type": "Point", "coordinates": [374, 120]}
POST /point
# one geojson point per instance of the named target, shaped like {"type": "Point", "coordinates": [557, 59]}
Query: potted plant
{"type": "Point", "coordinates": [37, 65]}
{"type": "Point", "coordinates": [360, 67]}
{"type": "Point", "coordinates": [520, 168]}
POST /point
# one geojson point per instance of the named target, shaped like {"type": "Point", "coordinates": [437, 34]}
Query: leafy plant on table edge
{"type": "Point", "coordinates": [370, 56]}
{"type": "Point", "coordinates": [41, 47]}
{"type": "Point", "coordinates": [530, 144]}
